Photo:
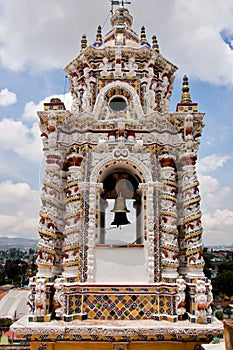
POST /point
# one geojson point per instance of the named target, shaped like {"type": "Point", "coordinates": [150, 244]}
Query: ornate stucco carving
{"type": "Point", "coordinates": [140, 139]}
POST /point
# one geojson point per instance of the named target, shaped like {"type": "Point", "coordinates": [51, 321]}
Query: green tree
{"type": "Point", "coordinates": [5, 324]}
{"type": "Point", "coordinates": [2, 275]}
{"type": "Point", "coordinates": [224, 283]}
{"type": "Point", "coordinates": [15, 270]}
{"type": "Point", "coordinates": [208, 264]}
{"type": "Point", "coordinates": [226, 266]}
{"type": "Point", "coordinates": [31, 251]}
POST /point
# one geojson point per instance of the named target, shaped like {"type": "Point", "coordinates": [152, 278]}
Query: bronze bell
{"type": "Point", "coordinates": [120, 211]}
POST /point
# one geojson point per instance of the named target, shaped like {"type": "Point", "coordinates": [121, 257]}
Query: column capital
{"type": "Point", "coordinates": [157, 185]}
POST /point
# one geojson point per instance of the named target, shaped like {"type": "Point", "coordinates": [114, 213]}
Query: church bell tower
{"type": "Point", "coordinates": [120, 222]}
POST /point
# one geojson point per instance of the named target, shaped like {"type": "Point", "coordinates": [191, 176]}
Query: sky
{"type": "Point", "coordinates": [39, 38]}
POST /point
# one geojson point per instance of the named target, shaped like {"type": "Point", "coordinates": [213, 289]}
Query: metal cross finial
{"type": "Point", "coordinates": [118, 3]}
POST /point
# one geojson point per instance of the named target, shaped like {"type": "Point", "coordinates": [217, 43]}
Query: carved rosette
{"type": "Point", "coordinates": [191, 245]}
{"type": "Point", "coordinates": [168, 213]}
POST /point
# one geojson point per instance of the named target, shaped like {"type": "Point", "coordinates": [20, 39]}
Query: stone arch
{"type": "Point", "coordinates": [130, 163]}
{"type": "Point", "coordinates": [121, 85]}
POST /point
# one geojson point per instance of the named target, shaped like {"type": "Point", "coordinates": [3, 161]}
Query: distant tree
{"type": "Point", "coordinates": [5, 324]}
{"type": "Point", "coordinates": [219, 315]}
{"type": "Point", "coordinates": [13, 252]}
{"type": "Point", "coordinates": [224, 283]}
{"type": "Point", "coordinates": [15, 269]}
{"type": "Point", "coordinates": [226, 266]}
{"type": "Point", "coordinates": [208, 264]}
{"type": "Point", "coordinates": [2, 276]}
{"type": "Point", "coordinates": [31, 251]}
{"type": "Point", "coordinates": [34, 268]}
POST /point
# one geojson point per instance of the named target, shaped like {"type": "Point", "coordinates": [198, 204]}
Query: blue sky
{"type": "Point", "coordinates": [39, 38]}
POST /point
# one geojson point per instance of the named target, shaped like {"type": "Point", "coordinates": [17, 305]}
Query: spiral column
{"type": "Point", "coordinates": [168, 214]}
{"type": "Point", "coordinates": [191, 246]}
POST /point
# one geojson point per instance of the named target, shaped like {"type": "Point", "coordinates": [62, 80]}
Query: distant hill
{"type": "Point", "coordinates": [221, 247]}
{"type": "Point", "coordinates": [21, 243]}
{"type": "Point", "coordinates": [25, 243]}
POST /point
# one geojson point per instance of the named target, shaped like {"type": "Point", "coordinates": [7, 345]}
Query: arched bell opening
{"type": "Point", "coordinates": [120, 209]}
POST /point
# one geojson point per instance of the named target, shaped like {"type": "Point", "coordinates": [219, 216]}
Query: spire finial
{"type": "Point", "coordinates": [185, 97]}
{"type": "Point", "coordinates": [99, 39]}
{"type": "Point", "coordinates": [121, 18]}
{"type": "Point", "coordinates": [155, 44]}
{"type": "Point", "coordinates": [143, 38]}
{"type": "Point", "coordinates": [118, 3]}
{"type": "Point", "coordinates": [143, 34]}
{"type": "Point", "coordinates": [83, 42]}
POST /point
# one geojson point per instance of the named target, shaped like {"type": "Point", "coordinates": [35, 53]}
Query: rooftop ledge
{"type": "Point", "coordinates": [126, 330]}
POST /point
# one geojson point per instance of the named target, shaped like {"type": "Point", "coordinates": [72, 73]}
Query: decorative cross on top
{"type": "Point", "coordinates": [118, 3]}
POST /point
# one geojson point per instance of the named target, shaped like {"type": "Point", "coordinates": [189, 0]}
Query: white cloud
{"type": "Point", "coordinates": [216, 203]}
{"type": "Point", "coordinates": [214, 195]}
{"type": "Point", "coordinates": [220, 198]}
{"type": "Point", "coordinates": [208, 184]}
{"type": "Point", "coordinates": [218, 227]}
{"type": "Point", "coordinates": [188, 36]}
{"type": "Point", "coordinates": [23, 140]}
{"type": "Point", "coordinates": [19, 208]}
{"type": "Point", "coordinates": [7, 97]}
{"type": "Point", "coordinates": [212, 162]}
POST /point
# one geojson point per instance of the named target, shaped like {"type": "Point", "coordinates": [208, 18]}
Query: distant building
{"type": "Point", "coordinates": [14, 304]}
{"type": "Point", "coordinates": [120, 255]}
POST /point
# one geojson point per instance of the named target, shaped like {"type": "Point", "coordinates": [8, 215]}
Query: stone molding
{"type": "Point", "coordinates": [127, 330]}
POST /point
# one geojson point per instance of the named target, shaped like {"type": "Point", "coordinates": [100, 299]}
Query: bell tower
{"type": "Point", "coordinates": [120, 221]}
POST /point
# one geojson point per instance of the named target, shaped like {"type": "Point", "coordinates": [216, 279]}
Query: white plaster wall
{"type": "Point", "coordinates": [118, 264]}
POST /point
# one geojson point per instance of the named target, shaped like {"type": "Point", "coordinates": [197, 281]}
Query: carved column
{"type": "Point", "coordinates": [51, 224]}
{"type": "Point", "coordinates": [52, 209]}
{"type": "Point", "coordinates": [73, 241]}
{"type": "Point", "coordinates": [191, 246]}
{"type": "Point", "coordinates": [168, 211]}
{"type": "Point", "coordinates": [95, 189]}
{"type": "Point", "coordinates": [151, 192]}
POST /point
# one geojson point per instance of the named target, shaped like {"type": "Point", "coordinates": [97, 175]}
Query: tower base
{"type": "Point", "coordinates": [116, 334]}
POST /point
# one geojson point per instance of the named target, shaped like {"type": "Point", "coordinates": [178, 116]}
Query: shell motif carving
{"type": "Point", "coordinates": [121, 153]}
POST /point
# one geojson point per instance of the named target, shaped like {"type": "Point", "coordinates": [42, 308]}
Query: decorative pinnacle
{"type": "Point", "coordinates": [83, 42]}
{"type": "Point", "coordinates": [99, 34]}
{"type": "Point", "coordinates": [155, 44]}
{"type": "Point", "coordinates": [185, 97]}
{"type": "Point", "coordinates": [143, 34]}
{"type": "Point", "coordinates": [121, 18]}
